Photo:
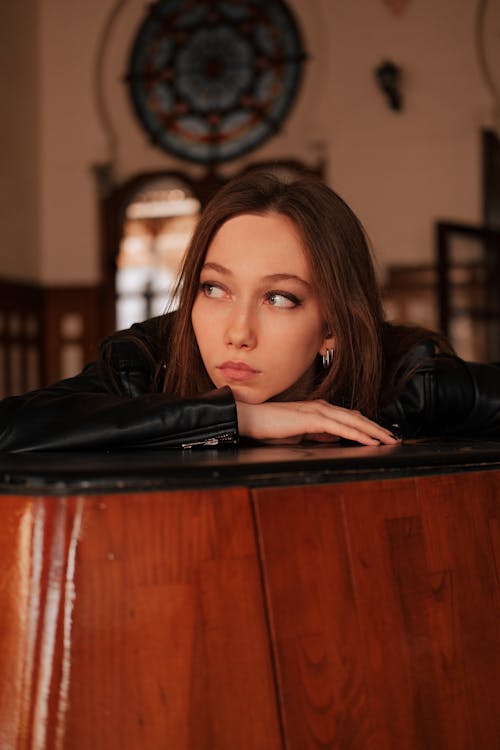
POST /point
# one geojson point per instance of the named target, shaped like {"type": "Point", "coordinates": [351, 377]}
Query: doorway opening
{"type": "Point", "coordinates": [146, 226]}
{"type": "Point", "coordinates": [158, 224]}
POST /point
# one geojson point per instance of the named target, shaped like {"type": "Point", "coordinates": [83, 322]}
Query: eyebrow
{"type": "Point", "coordinates": [273, 277]}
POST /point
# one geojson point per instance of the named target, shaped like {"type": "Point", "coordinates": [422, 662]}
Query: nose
{"type": "Point", "coordinates": [241, 327]}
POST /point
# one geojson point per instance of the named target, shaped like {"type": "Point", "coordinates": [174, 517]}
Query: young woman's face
{"type": "Point", "coordinates": [256, 318]}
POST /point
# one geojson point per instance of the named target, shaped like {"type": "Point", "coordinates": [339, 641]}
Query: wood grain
{"type": "Point", "coordinates": [35, 602]}
{"type": "Point", "coordinates": [150, 629]}
{"type": "Point", "coordinates": [354, 616]}
{"type": "Point", "coordinates": [15, 533]}
{"type": "Point", "coordinates": [384, 599]}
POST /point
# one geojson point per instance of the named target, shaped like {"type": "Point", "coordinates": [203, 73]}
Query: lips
{"type": "Point", "coordinates": [237, 371]}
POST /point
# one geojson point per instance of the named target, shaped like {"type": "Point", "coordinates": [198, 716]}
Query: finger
{"type": "Point", "coordinates": [348, 432]}
{"type": "Point", "coordinates": [322, 437]}
{"type": "Point", "coordinates": [376, 431]}
{"type": "Point", "coordinates": [351, 426]}
{"type": "Point", "coordinates": [352, 416]}
{"type": "Point", "coordinates": [359, 423]}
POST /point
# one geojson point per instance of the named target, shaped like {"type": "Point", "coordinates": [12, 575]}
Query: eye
{"type": "Point", "coordinates": [213, 291]}
{"type": "Point", "coordinates": [282, 299]}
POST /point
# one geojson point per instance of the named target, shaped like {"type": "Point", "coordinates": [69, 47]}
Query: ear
{"type": "Point", "coordinates": [328, 343]}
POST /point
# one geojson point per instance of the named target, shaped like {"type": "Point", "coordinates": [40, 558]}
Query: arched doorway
{"type": "Point", "coordinates": [157, 227]}
{"type": "Point", "coordinates": [146, 225]}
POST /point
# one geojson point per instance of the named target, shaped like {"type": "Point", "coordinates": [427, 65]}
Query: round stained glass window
{"type": "Point", "coordinates": [211, 80]}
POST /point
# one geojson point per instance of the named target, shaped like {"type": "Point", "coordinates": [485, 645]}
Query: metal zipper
{"type": "Point", "coordinates": [209, 442]}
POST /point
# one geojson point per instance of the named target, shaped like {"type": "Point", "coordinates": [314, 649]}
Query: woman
{"type": "Point", "coordinates": [279, 335]}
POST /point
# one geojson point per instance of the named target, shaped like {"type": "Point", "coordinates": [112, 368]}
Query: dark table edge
{"type": "Point", "coordinates": [36, 475]}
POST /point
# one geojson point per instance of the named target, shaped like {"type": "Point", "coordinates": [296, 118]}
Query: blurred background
{"type": "Point", "coordinates": [119, 120]}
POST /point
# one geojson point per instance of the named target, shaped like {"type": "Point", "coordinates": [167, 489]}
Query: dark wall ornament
{"type": "Point", "coordinates": [210, 80]}
{"type": "Point", "coordinates": [388, 77]}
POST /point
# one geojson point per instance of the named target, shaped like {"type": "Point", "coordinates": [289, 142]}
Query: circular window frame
{"type": "Point", "coordinates": [218, 107]}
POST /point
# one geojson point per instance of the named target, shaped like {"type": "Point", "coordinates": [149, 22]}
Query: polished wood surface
{"type": "Point", "coordinates": [355, 615]}
{"type": "Point", "coordinates": [134, 622]}
{"type": "Point", "coordinates": [385, 604]}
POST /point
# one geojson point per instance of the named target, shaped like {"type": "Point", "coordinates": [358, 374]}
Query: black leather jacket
{"type": "Point", "coordinates": [445, 396]}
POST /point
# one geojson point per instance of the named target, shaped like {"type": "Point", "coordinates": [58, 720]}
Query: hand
{"type": "Point", "coordinates": [314, 420]}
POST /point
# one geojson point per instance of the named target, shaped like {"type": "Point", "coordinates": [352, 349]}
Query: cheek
{"type": "Point", "coordinates": [302, 337]}
{"type": "Point", "coordinates": [292, 351]}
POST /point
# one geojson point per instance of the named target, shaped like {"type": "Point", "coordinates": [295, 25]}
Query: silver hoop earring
{"type": "Point", "coordinates": [327, 358]}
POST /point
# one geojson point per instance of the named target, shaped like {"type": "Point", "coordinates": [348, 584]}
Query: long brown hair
{"type": "Point", "coordinates": [343, 275]}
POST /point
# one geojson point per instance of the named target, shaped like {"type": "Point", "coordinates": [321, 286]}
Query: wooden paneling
{"type": "Point", "coordinates": [21, 356]}
{"type": "Point", "coordinates": [46, 334]}
{"type": "Point", "coordinates": [355, 616]}
{"type": "Point", "coordinates": [149, 628]}
{"type": "Point", "coordinates": [384, 601]}
{"type": "Point", "coordinates": [16, 531]}
{"type": "Point", "coordinates": [72, 330]}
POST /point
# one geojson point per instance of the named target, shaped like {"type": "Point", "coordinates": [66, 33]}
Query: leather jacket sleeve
{"type": "Point", "coordinates": [83, 413]}
{"type": "Point", "coordinates": [447, 397]}
{"type": "Point", "coordinates": [444, 396]}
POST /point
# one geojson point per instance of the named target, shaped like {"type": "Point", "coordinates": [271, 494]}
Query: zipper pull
{"type": "Point", "coordinates": [202, 443]}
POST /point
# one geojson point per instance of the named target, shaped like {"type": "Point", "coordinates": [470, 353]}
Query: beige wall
{"type": "Point", "coordinates": [71, 141]}
{"type": "Point", "coordinates": [400, 171]}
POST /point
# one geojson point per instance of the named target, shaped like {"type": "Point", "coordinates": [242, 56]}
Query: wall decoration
{"type": "Point", "coordinates": [388, 77]}
{"type": "Point", "coordinates": [210, 81]}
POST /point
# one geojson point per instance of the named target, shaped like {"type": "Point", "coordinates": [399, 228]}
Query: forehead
{"type": "Point", "coordinates": [269, 242]}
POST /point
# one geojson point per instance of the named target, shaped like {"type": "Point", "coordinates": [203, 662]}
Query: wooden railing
{"type": "Point", "coordinates": [45, 333]}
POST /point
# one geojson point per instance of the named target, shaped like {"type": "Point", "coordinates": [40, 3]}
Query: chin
{"type": "Point", "coordinates": [246, 396]}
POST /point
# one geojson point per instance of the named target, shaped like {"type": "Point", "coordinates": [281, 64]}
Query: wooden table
{"type": "Point", "coordinates": [266, 598]}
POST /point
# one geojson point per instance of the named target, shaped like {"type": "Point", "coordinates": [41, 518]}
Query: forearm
{"type": "Point", "coordinates": [313, 420]}
{"type": "Point", "coordinates": [449, 397]}
{"type": "Point", "coordinates": [62, 417]}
